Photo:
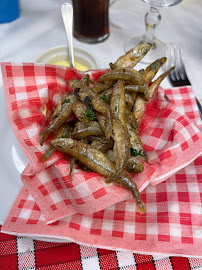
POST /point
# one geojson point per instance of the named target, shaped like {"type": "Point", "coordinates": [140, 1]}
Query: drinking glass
{"type": "Point", "coordinates": [91, 20]}
{"type": "Point", "coordinates": [152, 20]}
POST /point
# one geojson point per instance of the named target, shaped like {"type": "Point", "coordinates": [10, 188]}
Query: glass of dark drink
{"type": "Point", "coordinates": [91, 20]}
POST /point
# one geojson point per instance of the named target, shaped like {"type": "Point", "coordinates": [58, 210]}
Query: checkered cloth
{"type": "Point", "coordinates": [170, 139]}
{"type": "Point", "coordinates": [24, 253]}
{"type": "Point", "coordinates": [172, 223]}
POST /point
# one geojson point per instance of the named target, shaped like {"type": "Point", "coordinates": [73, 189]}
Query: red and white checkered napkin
{"type": "Point", "coordinates": [171, 140]}
{"type": "Point", "coordinates": [172, 223]}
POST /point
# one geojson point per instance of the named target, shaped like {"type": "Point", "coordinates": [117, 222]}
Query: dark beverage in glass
{"type": "Point", "coordinates": [91, 20]}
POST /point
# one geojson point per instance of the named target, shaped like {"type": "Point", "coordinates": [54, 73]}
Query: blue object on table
{"type": "Point", "coordinates": [9, 10]}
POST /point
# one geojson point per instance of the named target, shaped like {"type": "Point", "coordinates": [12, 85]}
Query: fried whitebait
{"type": "Point", "coordinates": [140, 104]}
{"type": "Point", "coordinates": [108, 112]}
{"type": "Point", "coordinates": [60, 115]}
{"type": "Point", "coordinates": [120, 131]}
{"type": "Point", "coordinates": [132, 57]}
{"type": "Point", "coordinates": [125, 74]}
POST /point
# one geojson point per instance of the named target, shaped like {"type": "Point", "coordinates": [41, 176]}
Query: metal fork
{"type": "Point", "coordinates": [178, 77]}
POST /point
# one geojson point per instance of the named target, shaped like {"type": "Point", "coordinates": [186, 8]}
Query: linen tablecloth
{"type": "Point", "coordinates": [27, 254]}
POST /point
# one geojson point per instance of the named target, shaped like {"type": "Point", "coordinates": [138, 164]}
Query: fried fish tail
{"type": "Point", "coordinates": [124, 180]}
{"type": "Point", "coordinates": [64, 131]}
{"type": "Point", "coordinates": [72, 162]}
{"type": "Point", "coordinates": [140, 103]}
{"type": "Point", "coordinates": [157, 82]}
{"type": "Point", "coordinates": [127, 182]}
{"type": "Point", "coordinates": [49, 152]}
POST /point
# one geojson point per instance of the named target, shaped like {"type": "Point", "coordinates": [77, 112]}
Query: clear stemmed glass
{"type": "Point", "coordinates": [152, 20]}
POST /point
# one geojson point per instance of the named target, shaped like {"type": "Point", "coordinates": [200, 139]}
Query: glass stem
{"type": "Point", "coordinates": [152, 20]}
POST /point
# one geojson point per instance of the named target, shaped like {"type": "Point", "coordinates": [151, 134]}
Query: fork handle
{"type": "Point", "coordinates": [199, 107]}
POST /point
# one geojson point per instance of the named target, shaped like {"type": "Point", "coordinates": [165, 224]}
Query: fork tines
{"type": "Point", "coordinates": [177, 77]}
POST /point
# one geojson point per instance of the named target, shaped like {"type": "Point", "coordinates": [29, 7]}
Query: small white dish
{"type": "Point", "coordinates": [60, 53]}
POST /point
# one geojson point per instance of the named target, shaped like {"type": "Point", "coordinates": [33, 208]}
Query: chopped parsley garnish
{"type": "Point", "coordinates": [89, 114]}
{"type": "Point", "coordinates": [134, 152]}
{"type": "Point", "coordinates": [104, 97]}
{"type": "Point", "coordinates": [66, 101]}
{"type": "Point", "coordinates": [115, 109]}
{"type": "Point", "coordinates": [153, 66]}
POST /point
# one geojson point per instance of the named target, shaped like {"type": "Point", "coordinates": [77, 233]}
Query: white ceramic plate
{"type": "Point", "coordinates": [60, 53]}
{"type": "Point", "coordinates": [12, 163]}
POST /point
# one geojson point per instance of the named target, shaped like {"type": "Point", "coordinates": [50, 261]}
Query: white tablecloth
{"type": "Point", "coordinates": [40, 27]}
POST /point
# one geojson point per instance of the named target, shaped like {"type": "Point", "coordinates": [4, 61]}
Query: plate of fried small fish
{"type": "Point", "coordinates": [103, 134]}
